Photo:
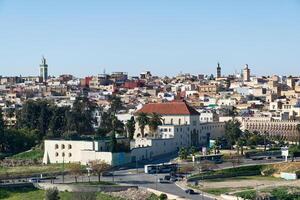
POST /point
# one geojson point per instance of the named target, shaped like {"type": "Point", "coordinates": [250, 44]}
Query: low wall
{"type": "Point", "coordinates": [83, 188]}
{"type": "Point", "coordinates": [16, 185]}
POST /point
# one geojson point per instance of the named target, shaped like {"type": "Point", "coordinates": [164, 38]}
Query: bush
{"type": "Point", "coordinates": [163, 196]}
{"type": "Point", "coordinates": [52, 194]}
{"type": "Point", "coordinates": [249, 194]}
{"type": "Point", "coordinates": [84, 196]}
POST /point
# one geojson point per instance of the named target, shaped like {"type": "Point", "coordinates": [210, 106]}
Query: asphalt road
{"type": "Point", "coordinates": [130, 177]}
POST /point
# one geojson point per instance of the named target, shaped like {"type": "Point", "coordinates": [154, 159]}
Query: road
{"type": "Point", "coordinates": [141, 179]}
{"type": "Point", "coordinates": [132, 176]}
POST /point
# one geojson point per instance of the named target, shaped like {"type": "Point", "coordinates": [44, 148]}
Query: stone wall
{"type": "Point", "coordinates": [83, 188]}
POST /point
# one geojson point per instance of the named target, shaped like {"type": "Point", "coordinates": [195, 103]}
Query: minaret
{"type": "Point", "coordinates": [44, 70]}
{"type": "Point", "coordinates": [246, 73]}
{"type": "Point", "coordinates": [218, 71]}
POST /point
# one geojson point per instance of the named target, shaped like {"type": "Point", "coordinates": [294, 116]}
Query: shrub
{"type": "Point", "coordinates": [52, 194]}
{"type": "Point", "coordinates": [163, 196]}
{"type": "Point", "coordinates": [84, 196]}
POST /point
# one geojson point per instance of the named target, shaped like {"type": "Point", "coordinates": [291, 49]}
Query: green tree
{"type": "Point", "coordinates": [183, 153]}
{"type": "Point", "coordinates": [154, 121]}
{"type": "Point", "coordinates": [115, 104]}
{"type": "Point", "coordinates": [232, 131]}
{"type": "Point", "coordinates": [298, 131]}
{"type": "Point", "coordinates": [130, 126]}
{"type": "Point", "coordinates": [2, 126]}
{"type": "Point", "coordinates": [143, 121]}
{"type": "Point", "coordinates": [52, 194]}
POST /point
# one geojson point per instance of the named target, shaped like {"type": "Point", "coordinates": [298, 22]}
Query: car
{"type": "Point", "coordinates": [190, 191]}
{"type": "Point", "coordinates": [173, 179]}
{"type": "Point", "coordinates": [34, 180]}
{"type": "Point", "coordinates": [107, 174]}
{"type": "Point", "coordinates": [161, 180]}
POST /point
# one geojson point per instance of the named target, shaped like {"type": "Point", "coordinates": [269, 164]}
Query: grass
{"type": "Point", "coordinates": [36, 154]}
{"type": "Point", "coordinates": [229, 172]}
{"type": "Point", "coordinates": [219, 191]}
{"type": "Point", "coordinates": [31, 170]}
{"type": "Point", "coordinates": [240, 178]}
{"type": "Point", "coordinates": [33, 193]}
{"type": "Point", "coordinates": [249, 194]}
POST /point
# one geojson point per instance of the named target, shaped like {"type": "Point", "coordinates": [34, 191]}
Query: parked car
{"type": "Point", "coordinates": [34, 180]}
{"type": "Point", "coordinates": [107, 174]}
{"type": "Point", "coordinates": [190, 191]}
{"type": "Point", "coordinates": [161, 180]}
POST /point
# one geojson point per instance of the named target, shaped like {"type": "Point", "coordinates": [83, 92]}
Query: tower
{"type": "Point", "coordinates": [246, 73]}
{"type": "Point", "coordinates": [44, 70]}
{"type": "Point", "coordinates": [218, 71]}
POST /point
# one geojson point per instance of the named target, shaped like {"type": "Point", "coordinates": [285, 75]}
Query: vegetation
{"type": "Point", "coordinates": [52, 194]}
{"type": "Point", "coordinates": [183, 153]}
{"type": "Point", "coordinates": [31, 154]}
{"type": "Point", "coordinates": [75, 170]}
{"type": "Point", "coordinates": [98, 167]}
{"type": "Point", "coordinates": [130, 126]}
{"type": "Point", "coordinates": [29, 193]}
{"type": "Point", "coordinates": [143, 120]}
{"type": "Point", "coordinates": [229, 172]}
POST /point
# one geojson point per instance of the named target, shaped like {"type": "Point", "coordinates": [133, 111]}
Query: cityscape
{"type": "Point", "coordinates": [147, 133]}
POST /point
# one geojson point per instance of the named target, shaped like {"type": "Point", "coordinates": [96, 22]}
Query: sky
{"type": "Point", "coordinates": [84, 38]}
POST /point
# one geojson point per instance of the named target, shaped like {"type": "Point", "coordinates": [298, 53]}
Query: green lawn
{"type": "Point", "coordinates": [239, 178]}
{"type": "Point", "coordinates": [30, 170]}
{"type": "Point", "coordinates": [33, 154]}
{"type": "Point", "coordinates": [219, 191]}
{"type": "Point", "coordinates": [32, 193]}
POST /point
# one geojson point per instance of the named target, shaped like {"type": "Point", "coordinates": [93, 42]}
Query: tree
{"type": "Point", "coordinates": [298, 131]}
{"type": "Point", "coordinates": [52, 194]}
{"type": "Point", "coordinates": [232, 131]}
{"type": "Point", "coordinates": [98, 167]}
{"type": "Point", "coordinates": [113, 143]}
{"type": "Point", "coordinates": [217, 145]}
{"type": "Point", "coordinates": [183, 153]}
{"type": "Point", "coordinates": [193, 150]}
{"type": "Point", "coordinates": [115, 104]}
{"type": "Point", "coordinates": [2, 126]}
{"type": "Point", "coordinates": [154, 122]}
{"type": "Point", "coordinates": [75, 170]}
{"type": "Point", "coordinates": [130, 126]}
{"type": "Point", "coordinates": [80, 118]}
{"type": "Point", "coordinates": [143, 120]}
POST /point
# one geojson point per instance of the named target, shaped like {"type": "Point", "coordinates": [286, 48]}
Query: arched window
{"type": "Point", "coordinates": [63, 154]}
{"type": "Point", "coordinates": [69, 146]}
{"type": "Point", "coordinates": [70, 155]}
{"type": "Point", "coordinates": [62, 146]}
{"type": "Point", "coordinates": [56, 146]}
{"type": "Point", "coordinates": [56, 154]}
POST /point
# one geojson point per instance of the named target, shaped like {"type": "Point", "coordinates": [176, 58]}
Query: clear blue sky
{"type": "Point", "coordinates": [166, 37]}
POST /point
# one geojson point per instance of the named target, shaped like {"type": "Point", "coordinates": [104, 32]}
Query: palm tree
{"type": "Point", "coordinates": [154, 122]}
{"type": "Point", "coordinates": [143, 120]}
{"type": "Point", "coordinates": [298, 131]}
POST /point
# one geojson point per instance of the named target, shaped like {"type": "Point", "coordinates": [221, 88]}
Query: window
{"type": "Point", "coordinates": [171, 120]}
{"type": "Point", "coordinates": [62, 146]}
{"type": "Point", "coordinates": [56, 154]}
{"type": "Point", "coordinates": [179, 121]}
{"type": "Point", "coordinates": [63, 154]}
{"type": "Point", "coordinates": [70, 155]}
{"type": "Point", "coordinates": [69, 146]}
{"type": "Point", "coordinates": [56, 146]}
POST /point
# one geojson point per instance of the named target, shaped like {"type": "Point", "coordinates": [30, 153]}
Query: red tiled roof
{"type": "Point", "coordinates": [169, 108]}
